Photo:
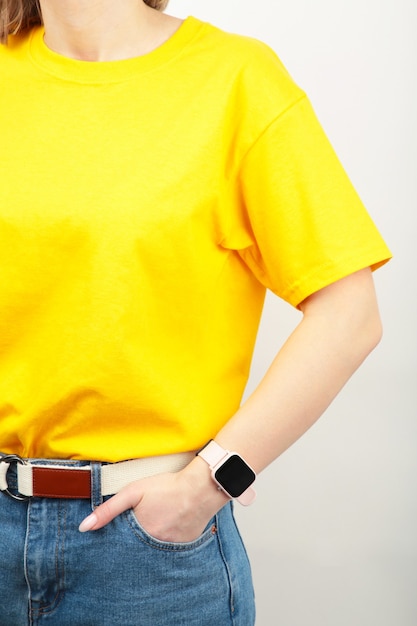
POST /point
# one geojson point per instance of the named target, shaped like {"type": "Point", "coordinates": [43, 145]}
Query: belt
{"type": "Point", "coordinates": [54, 479]}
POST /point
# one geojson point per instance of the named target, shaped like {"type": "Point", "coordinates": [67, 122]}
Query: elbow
{"type": "Point", "coordinates": [374, 331]}
{"type": "Point", "coordinates": [364, 329]}
{"type": "Point", "coordinates": [369, 324]}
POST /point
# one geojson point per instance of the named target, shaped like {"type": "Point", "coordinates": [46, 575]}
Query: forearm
{"type": "Point", "coordinates": [340, 327]}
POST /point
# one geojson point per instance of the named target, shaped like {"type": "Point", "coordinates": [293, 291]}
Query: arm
{"type": "Point", "coordinates": [340, 326]}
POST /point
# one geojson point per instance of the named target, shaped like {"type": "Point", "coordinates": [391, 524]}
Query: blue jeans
{"type": "Point", "coordinates": [52, 574]}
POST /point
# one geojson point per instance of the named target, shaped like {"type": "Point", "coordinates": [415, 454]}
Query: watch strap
{"type": "Point", "coordinates": [247, 497]}
{"type": "Point", "coordinates": [212, 453]}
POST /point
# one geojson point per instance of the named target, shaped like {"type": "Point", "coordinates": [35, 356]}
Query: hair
{"type": "Point", "coordinates": [19, 15]}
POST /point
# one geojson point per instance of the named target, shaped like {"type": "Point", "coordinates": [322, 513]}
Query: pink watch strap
{"type": "Point", "coordinates": [212, 453]}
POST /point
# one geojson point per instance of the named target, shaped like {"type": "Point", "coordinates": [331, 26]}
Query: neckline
{"type": "Point", "coordinates": [101, 72]}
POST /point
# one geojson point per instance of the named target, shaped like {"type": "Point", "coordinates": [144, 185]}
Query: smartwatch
{"type": "Point", "coordinates": [231, 473]}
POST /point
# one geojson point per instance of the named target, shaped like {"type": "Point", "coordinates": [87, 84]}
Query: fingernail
{"type": "Point", "coordinates": [88, 523]}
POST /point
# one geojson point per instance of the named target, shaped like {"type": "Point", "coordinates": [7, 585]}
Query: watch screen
{"type": "Point", "coordinates": [235, 476]}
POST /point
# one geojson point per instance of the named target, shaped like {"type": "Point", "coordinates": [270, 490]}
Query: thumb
{"type": "Point", "coordinates": [126, 499]}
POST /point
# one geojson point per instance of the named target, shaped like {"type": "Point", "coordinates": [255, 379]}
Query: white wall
{"type": "Point", "coordinates": [332, 537]}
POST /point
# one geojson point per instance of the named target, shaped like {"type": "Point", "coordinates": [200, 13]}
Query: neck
{"type": "Point", "coordinates": [104, 30]}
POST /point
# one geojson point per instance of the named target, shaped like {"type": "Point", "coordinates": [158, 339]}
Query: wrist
{"type": "Point", "coordinates": [198, 475]}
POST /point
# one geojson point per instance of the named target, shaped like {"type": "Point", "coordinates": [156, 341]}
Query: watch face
{"type": "Point", "coordinates": [235, 476]}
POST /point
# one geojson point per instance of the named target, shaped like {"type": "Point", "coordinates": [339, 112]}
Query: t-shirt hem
{"type": "Point", "coordinates": [327, 274]}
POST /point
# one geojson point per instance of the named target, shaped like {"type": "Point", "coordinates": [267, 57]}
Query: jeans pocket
{"type": "Point", "coordinates": [142, 534]}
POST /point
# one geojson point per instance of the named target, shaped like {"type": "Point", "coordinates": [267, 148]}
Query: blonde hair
{"type": "Point", "coordinates": [18, 15]}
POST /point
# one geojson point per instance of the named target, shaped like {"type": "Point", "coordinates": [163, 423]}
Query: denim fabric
{"type": "Point", "coordinates": [52, 574]}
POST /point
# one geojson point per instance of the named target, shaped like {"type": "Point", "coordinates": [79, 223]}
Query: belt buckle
{"type": "Point", "coordinates": [14, 458]}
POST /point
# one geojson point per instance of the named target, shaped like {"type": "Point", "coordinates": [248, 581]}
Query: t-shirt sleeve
{"type": "Point", "coordinates": [307, 226]}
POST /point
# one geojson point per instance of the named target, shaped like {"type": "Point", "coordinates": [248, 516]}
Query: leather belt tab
{"type": "Point", "coordinates": [50, 482]}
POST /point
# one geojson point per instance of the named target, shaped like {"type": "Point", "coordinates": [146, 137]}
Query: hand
{"type": "Point", "coordinates": [170, 507]}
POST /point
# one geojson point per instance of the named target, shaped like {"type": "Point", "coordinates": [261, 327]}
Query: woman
{"type": "Point", "coordinates": [158, 176]}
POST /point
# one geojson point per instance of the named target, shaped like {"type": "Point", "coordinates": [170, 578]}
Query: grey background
{"type": "Point", "coordinates": [332, 536]}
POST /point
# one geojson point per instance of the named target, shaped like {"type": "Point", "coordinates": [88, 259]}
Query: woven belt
{"type": "Point", "coordinates": [52, 480]}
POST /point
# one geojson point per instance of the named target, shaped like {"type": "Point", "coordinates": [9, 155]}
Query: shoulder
{"type": "Point", "coordinates": [250, 65]}
{"type": "Point", "coordinates": [239, 46]}
{"type": "Point", "coordinates": [236, 50]}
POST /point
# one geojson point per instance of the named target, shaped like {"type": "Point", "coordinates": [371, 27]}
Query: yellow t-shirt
{"type": "Point", "coordinates": [145, 205]}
